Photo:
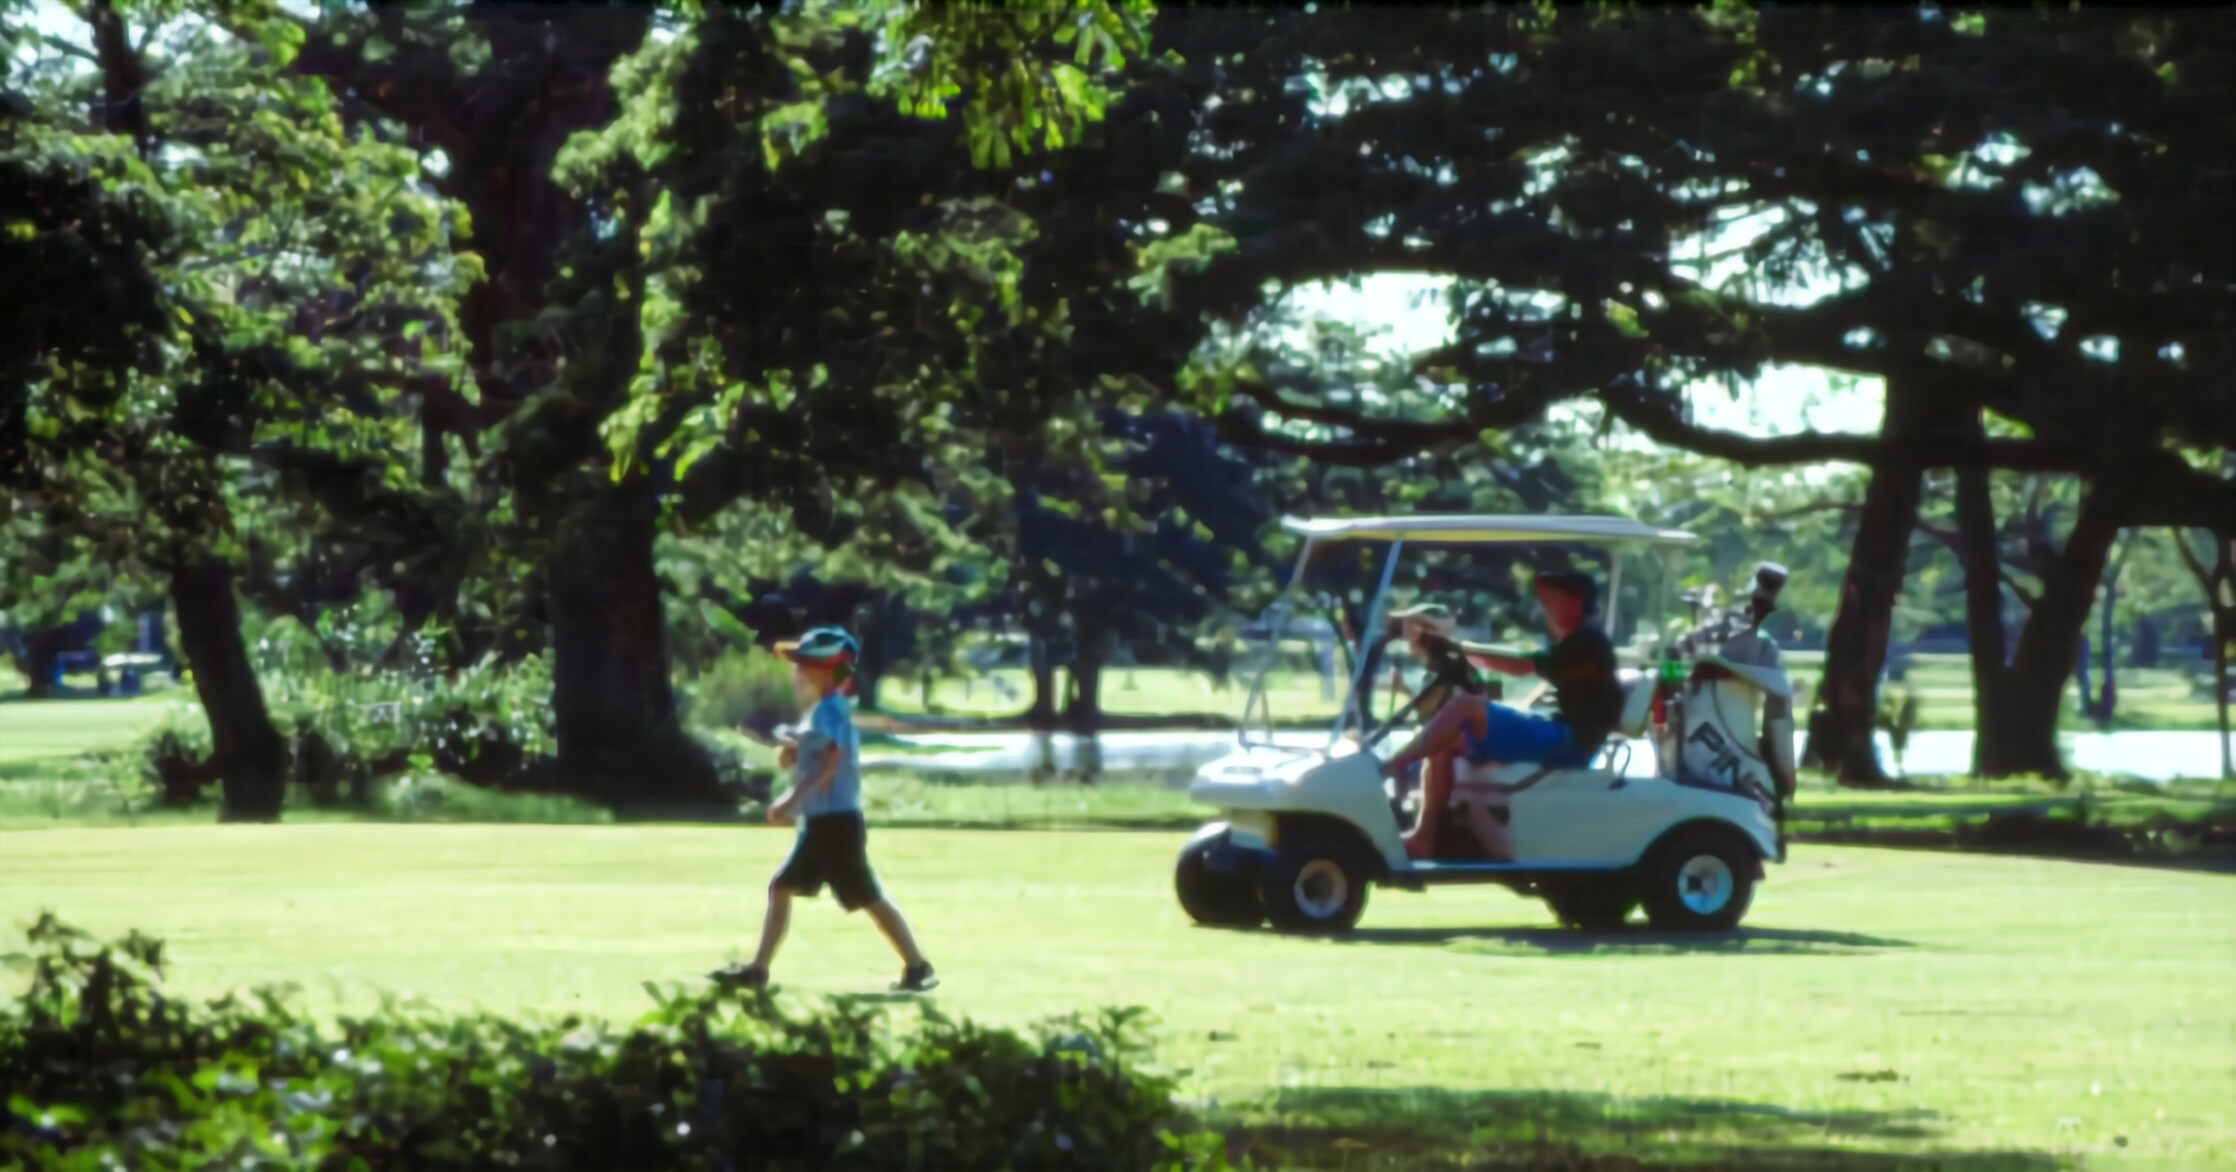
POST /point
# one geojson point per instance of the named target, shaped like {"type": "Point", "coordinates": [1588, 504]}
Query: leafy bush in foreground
{"type": "Point", "coordinates": [103, 1070]}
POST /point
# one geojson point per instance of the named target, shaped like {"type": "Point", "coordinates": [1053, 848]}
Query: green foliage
{"type": "Point", "coordinates": [367, 710]}
{"type": "Point", "coordinates": [1028, 77]}
{"type": "Point", "coordinates": [703, 1080]}
{"type": "Point", "coordinates": [747, 687]}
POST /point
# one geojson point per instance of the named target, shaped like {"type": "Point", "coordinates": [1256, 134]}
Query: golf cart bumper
{"type": "Point", "coordinates": [1220, 852]}
{"type": "Point", "coordinates": [1226, 858]}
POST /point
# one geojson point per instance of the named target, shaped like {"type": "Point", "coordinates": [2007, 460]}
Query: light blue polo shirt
{"type": "Point", "coordinates": [830, 729]}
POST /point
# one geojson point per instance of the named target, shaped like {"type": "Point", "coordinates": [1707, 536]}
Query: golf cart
{"type": "Point", "coordinates": [1301, 834]}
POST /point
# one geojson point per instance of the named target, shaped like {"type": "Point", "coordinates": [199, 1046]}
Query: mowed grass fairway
{"type": "Point", "coordinates": [33, 730]}
{"type": "Point", "coordinates": [1879, 1001]}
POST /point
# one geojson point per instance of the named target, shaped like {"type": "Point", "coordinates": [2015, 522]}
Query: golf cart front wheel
{"type": "Point", "coordinates": [1592, 905]}
{"type": "Point", "coordinates": [1700, 880]}
{"type": "Point", "coordinates": [1213, 899]}
{"type": "Point", "coordinates": [1314, 892]}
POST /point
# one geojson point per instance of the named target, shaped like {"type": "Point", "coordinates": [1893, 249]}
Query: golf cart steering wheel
{"type": "Point", "coordinates": [1452, 676]}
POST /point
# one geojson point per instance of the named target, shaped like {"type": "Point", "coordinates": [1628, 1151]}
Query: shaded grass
{"type": "Point", "coordinates": [1880, 1004]}
{"type": "Point", "coordinates": [1436, 1127]}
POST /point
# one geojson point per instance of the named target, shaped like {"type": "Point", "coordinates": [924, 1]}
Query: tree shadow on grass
{"type": "Point", "coordinates": [1567, 942]}
{"type": "Point", "coordinates": [1403, 1128]}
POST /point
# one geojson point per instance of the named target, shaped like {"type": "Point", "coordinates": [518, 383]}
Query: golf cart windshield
{"type": "Point", "coordinates": [1611, 535]}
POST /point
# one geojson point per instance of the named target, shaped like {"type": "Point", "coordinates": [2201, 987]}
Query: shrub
{"type": "Point", "coordinates": [751, 688]}
{"type": "Point", "coordinates": [103, 1070]}
{"type": "Point", "coordinates": [173, 762]}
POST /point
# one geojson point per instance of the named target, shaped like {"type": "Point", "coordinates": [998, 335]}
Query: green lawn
{"type": "Point", "coordinates": [1881, 1001]}
{"type": "Point", "coordinates": [35, 729]}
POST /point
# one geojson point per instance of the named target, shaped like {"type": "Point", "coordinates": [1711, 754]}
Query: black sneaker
{"type": "Point", "coordinates": [917, 978]}
{"type": "Point", "coordinates": [741, 976]}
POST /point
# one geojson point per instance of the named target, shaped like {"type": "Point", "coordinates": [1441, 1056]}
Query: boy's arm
{"type": "Point", "coordinates": [824, 769]}
{"type": "Point", "coordinates": [783, 810]}
{"type": "Point", "coordinates": [1507, 665]}
{"type": "Point", "coordinates": [1490, 658]}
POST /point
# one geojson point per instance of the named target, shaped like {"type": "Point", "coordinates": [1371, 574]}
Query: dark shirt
{"type": "Point", "coordinates": [1581, 669]}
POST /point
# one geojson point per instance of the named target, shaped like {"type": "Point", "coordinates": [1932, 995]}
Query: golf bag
{"type": "Point", "coordinates": [1732, 686]}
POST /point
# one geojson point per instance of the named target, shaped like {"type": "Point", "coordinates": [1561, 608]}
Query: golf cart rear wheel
{"type": "Point", "coordinates": [1213, 899]}
{"type": "Point", "coordinates": [1314, 892]}
{"type": "Point", "coordinates": [1592, 905]}
{"type": "Point", "coordinates": [1699, 880]}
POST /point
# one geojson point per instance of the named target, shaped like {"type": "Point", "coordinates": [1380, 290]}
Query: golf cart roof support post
{"type": "Point", "coordinates": [1667, 556]}
{"type": "Point", "coordinates": [1614, 591]}
{"type": "Point", "coordinates": [1276, 616]}
{"type": "Point", "coordinates": [1367, 631]}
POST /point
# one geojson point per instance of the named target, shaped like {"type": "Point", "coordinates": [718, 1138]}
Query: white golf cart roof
{"type": "Point", "coordinates": [1487, 529]}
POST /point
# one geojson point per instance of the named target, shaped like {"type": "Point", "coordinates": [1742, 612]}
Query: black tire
{"type": "Point", "coordinates": [1213, 899]}
{"type": "Point", "coordinates": [1699, 879]}
{"type": "Point", "coordinates": [1593, 905]}
{"type": "Point", "coordinates": [1315, 891]}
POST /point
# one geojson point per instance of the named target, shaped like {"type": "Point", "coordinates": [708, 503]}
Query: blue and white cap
{"type": "Point", "coordinates": [821, 645]}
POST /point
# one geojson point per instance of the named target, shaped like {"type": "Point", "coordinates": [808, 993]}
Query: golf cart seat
{"type": "Point", "coordinates": [1637, 713]}
{"type": "Point", "coordinates": [1638, 704]}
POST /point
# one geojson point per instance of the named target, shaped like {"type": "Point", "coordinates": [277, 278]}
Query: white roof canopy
{"type": "Point", "coordinates": [1484, 529]}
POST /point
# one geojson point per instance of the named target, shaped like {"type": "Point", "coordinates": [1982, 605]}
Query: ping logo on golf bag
{"type": "Point", "coordinates": [1723, 760]}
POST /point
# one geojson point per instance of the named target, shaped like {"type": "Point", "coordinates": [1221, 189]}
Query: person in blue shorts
{"type": "Point", "coordinates": [825, 801]}
{"type": "Point", "coordinates": [1580, 665]}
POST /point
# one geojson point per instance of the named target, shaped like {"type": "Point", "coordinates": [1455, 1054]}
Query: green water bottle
{"type": "Point", "coordinates": [1668, 677]}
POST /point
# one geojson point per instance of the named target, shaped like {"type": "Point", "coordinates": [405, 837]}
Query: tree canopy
{"type": "Point", "coordinates": [526, 316]}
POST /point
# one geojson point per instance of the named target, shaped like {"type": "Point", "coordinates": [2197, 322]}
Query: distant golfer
{"type": "Point", "coordinates": [826, 802]}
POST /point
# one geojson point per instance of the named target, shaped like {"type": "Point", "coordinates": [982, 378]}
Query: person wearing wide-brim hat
{"type": "Point", "coordinates": [825, 802]}
{"type": "Point", "coordinates": [1429, 630]}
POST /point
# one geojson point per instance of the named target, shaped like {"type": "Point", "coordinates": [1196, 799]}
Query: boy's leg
{"type": "Point", "coordinates": [1447, 737]}
{"type": "Point", "coordinates": [895, 927]}
{"type": "Point", "coordinates": [1444, 733]}
{"type": "Point", "coordinates": [857, 889]}
{"type": "Point", "coordinates": [801, 874]}
{"type": "Point", "coordinates": [1495, 837]}
{"type": "Point", "coordinates": [1436, 793]}
{"type": "Point", "coordinates": [755, 973]}
{"type": "Point", "coordinates": [774, 924]}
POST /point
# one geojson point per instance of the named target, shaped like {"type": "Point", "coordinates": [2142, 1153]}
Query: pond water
{"type": "Point", "coordinates": [1175, 756]}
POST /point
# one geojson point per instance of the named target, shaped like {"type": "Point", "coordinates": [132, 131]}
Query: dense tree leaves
{"type": "Point", "coordinates": [250, 275]}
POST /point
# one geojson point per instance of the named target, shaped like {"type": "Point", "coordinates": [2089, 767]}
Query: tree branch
{"type": "Point", "coordinates": [2209, 578]}
{"type": "Point", "coordinates": [1247, 430]}
{"type": "Point", "coordinates": [64, 47]}
{"type": "Point", "coordinates": [1810, 510]}
{"type": "Point", "coordinates": [1657, 422]}
{"type": "Point", "coordinates": [1954, 544]}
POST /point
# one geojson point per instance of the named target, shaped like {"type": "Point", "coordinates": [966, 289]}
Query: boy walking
{"type": "Point", "coordinates": [825, 801]}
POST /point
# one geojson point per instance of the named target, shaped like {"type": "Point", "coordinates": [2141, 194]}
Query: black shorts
{"type": "Point", "coordinates": [833, 849]}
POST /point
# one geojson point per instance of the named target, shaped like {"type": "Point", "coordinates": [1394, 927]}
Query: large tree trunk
{"type": "Point", "coordinates": [251, 758]}
{"type": "Point", "coordinates": [42, 650]}
{"type": "Point", "coordinates": [2107, 705]}
{"type": "Point", "coordinates": [621, 741]}
{"type": "Point", "coordinates": [2224, 633]}
{"type": "Point", "coordinates": [2051, 639]}
{"type": "Point", "coordinates": [2215, 580]}
{"type": "Point", "coordinates": [1983, 623]}
{"type": "Point", "coordinates": [1042, 715]}
{"type": "Point", "coordinates": [1842, 725]}
{"type": "Point", "coordinates": [1083, 709]}
{"type": "Point", "coordinates": [1845, 719]}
